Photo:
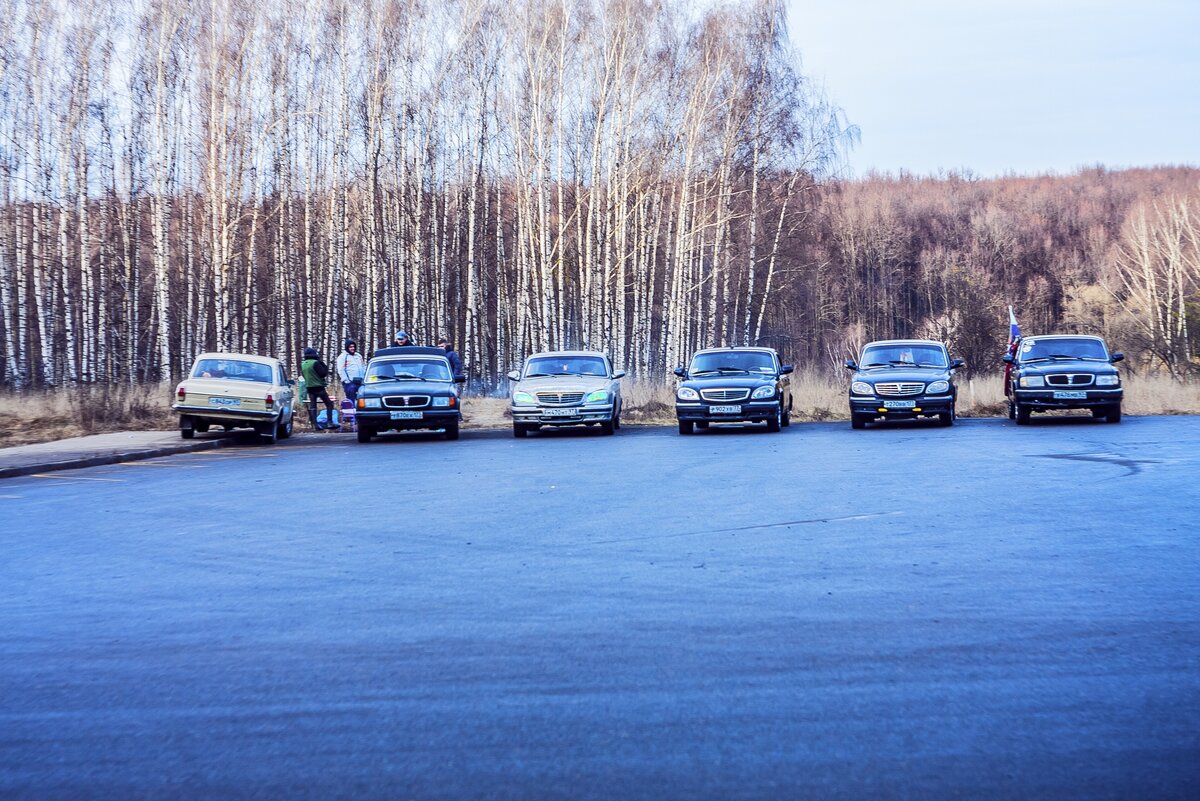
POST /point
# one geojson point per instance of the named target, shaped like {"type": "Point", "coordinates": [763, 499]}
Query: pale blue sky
{"type": "Point", "coordinates": [999, 86]}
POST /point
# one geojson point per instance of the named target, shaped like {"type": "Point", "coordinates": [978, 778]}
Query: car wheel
{"type": "Point", "coordinates": [617, 419]}
{"type": "Point", "coordinates": [519, 431]}
{"type": "Point", "coordinates": [452, 431]}
{"type": "Point", "coordinates": [858, 421]}
{"type": "Point", "coordinates": [201, 427]}
{"type": "Point", "coordinates": [948, 418]}
{"type": "Point", "coordinates": [187, 429]}
{"type": "Point", "coordinates": [776, 422]}
{"type": "Point", "coordinates": [607, 427]}
{"type": "Point", "coordinates": [364, 434]}
{"type": "Point", "coordinates": [1012, 411]}
{"type": "Point", "coordinates": [267, 433]}
{"type": "Point", "coordinates": [1114, 414]}
{"type": "Point", "coordinates": [787, 416]}
{"type": "Point", "coordinates": [685, 426]}
{"type": "Point", "coordinates": [1023, 413]}
{"type": "Point", "coordinates": [285, 428]}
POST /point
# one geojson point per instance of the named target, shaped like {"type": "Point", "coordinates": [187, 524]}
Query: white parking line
{"type": "Point", "coordinates": [76, 478]}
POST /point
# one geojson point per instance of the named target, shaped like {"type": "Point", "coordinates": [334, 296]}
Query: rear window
{"type": "Point", "coordinates": [235, 369]}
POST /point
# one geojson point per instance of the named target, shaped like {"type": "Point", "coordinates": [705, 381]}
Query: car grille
{"type": "Point", "coordinates": [559, 398]}
{"type": "Point", "coordinates": [736, 394]}
{"type": "Point", "coordinates": [1070, 379]}
{"type": "Point", "coordinates": [899, 388]}
{"type": "Point", "coordinates": [406, 401]}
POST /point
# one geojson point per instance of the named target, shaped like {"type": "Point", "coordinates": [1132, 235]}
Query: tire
{"type": "Point", "coordinates": [519, 430]}
{"type": "Point", "coordinates": [787, 416]}
{"type": "Point", "coordinates": [617, 419]}
{"type": "Point", "coordinates": [1012, 410]}
{"type": "Point", "coordinates": [948, 418]}
{"type": "Point", "coordinates": [685, 426]}
{"type": "Point", "coordinates": [1022, 415]}
{"type": "Point", "coordinates": [187, 429]}
{"type": "Point", "coordinates": [776, 422]}
{"type": "Point", "coordinates": [201, 427]}
{"type": "Point", "coordinates": [858, 421]}
{"type": "Point", "coordinates": [284, 430]}
{"type": "Point", "coordinates": [365, 434]}
{"type": "Point", "coordinates": [607, 428]}
{"type": "Point", "coordinates": [452, 431]}
{"type": "Point", "coordinates": [1114, 414]}
{"type": "Point", "coordinates": [267, 433]}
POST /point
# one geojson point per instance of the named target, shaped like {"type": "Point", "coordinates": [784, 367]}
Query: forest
{"type": "Point", "coordinates": [636, 176]}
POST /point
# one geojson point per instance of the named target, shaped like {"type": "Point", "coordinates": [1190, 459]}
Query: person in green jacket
{"type": "Point", "coordinates": [315, 372]}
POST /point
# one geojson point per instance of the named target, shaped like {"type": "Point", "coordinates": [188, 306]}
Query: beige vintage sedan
{"type": "Point", "coordinates": [236, 390]}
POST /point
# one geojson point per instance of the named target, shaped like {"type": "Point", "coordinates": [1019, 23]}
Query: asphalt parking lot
{"type": "Point", "coordinates": [983, 611]}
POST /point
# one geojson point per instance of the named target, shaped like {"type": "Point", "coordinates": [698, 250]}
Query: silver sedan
{"type": "Point", "coordinates": [566, 388]}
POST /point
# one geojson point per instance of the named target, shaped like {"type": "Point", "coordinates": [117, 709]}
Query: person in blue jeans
{"type": "Point", "coordinates": [350, 369]}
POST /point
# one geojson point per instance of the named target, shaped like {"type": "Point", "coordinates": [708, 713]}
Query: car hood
{"type": "Point", "coordinates": [739, 381]}
{"type": "Point", "coordinates": [234, 389]}
{"type": "Point", "coordinates": [563, 383]}
{"type": "Point", "coordinates": [1068, 366]}
{"type": "Point", "coordinates": [378, 389]}
{"type": "Point", "coordinates": [912, 374]}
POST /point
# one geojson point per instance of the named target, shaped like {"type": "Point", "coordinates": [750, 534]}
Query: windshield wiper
{"type": "Point", "coordinates": [930, 364]}
{"type": "Point", "coordinates": [400, 377]}
{"type": "Point", "coordinates": [903, 362]}
{"type": "Point", "coordinates": [876, 364]}
{"type": "Point", "coordinates": [546, 375]}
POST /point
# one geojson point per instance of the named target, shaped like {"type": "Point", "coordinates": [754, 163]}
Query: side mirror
{"type": "Point", "coordinates": [1117, 357]}
{"type": "Point", "coordinates": [514, 375]}
{"type": "Point", "coordinates": [787, 368]}
{"type": "Point", "coordinates": [618, 374]}
{"type": "Point", "coordinates": [851, 364]}
{"type": "Point", "coordinates": [956, 363]}
{"type": "Point", "coordinates": [1008, 358]}
{"type": "Point", "coordinates": [679, 371]}
{"type": "Point", "coordinates": [460, 379]}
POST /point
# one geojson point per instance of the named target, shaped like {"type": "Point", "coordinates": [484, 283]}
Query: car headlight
{"type": "Point", "coordinates": [937, 387]}
{"type": "Point", "coordinates": [687, 393]}
{"type": "Point", "coordinates": [372, 403]}
{"type": "Point", "coordinates": [524, 398]}
{"type": "Point", "coordinates": [1113, 380]}
{"type": "Point", "coordinates": [861, 388]}
{"type": "Point", "coordinates": [599, 396]}
{"type": "Point", "coordinates": [441, 401]}
{"type": "Point", "coordinates": [767, 391]}
{"type": "Point", "coordinates": [1032, 381]}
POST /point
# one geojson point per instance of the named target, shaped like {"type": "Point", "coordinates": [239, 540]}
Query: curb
{"type": "Point", "coordinates": [113, 458]}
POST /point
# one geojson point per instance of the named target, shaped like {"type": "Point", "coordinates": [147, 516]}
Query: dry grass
{"type": "Point", "coordinates": [43, 416]}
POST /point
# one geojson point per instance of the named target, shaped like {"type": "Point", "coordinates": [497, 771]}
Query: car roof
{"type": "Point", "coordinates": [568, 353]}
{"type": "Point", "coordinates": [401, 351]}
{"type": "Point", "coordinates": [246, 357]}
{"type": "Point", "coordinates": [1061, 336]}
{"type": "Point", "coordinates": [933, 342]}
{"type": "Point", "coordinates": [736, 349]}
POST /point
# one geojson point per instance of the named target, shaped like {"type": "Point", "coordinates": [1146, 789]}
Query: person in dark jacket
{"type": "Point", "coordinates": [452, 355]}
{"type": "Point", "coordinates": [315, 373]}
{"type": "Point", "coordinates": [402, 340]}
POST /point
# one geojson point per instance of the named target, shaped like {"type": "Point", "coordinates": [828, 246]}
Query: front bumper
{"type": "Point", "coordinates": [557, 415]}
{"type": "Point", "coordinates": [1044, 398]}
{"type": "Point", "coordinates": [382, 420]}
{"type": "Point", "coordinates": [922, 406]}
{"type": "Point", "coordinates": [756, 411]}
{"type": "Point", "coordinates": [225, 415]}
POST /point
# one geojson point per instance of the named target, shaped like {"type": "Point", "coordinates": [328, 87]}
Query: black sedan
{"type": "Point", "coordinates": [1064, 372]}
{"type": "Point", "coordinates": [900, 379]}
{"type": "Point", "coordinates": [734, 385]}
{"type": "Point", "coordinates": [408, 388]}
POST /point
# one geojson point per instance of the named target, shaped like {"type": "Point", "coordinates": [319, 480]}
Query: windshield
{"type": "Point", "coordinates": [234, 369]}
{"type": "Point", "coordinates": [732, 361]}
{"type": "Point", "coordinates": [903, 354]}
{"type": "Point", "coordinates": [408, 369]}
{"type": "Point", "coordinates": [1039, 349]}
{"type": "Point", "coordinates": [566, 365]}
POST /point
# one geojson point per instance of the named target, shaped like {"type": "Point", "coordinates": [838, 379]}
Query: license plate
{"type": "Point", "coordinates": [725, 409]}
{"type": "Point", "coordinates": [407, 415]}
{"type": "Point", "coordinates": [559, 412]}
{"type": "Point", "coordinates": [899, 404]}
{"type": "Point", "coordinates": [224, 401]}
{"type": "Point", "coordinates": [1072, 395]}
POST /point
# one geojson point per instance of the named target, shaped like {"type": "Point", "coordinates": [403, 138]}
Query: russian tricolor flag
{"type": "Point", "coordinates": [1014, 331]}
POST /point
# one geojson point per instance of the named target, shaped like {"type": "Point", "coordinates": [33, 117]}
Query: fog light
{"type": "Point", "coordinates": [882, 410]}
{"type": "Point", "coordinates": [917, 409]}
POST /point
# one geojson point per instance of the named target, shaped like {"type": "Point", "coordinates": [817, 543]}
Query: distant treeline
{"type": "Point", "coordinates": [638, 177]}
